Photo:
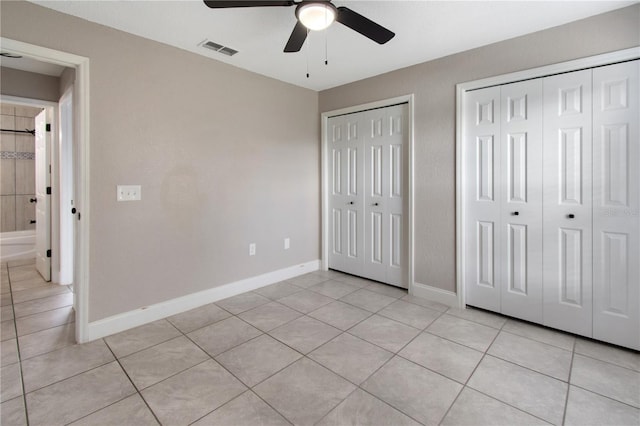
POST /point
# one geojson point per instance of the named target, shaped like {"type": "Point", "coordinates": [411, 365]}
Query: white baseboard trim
{"type": "Point", "coordinates": [435, 294]}
{"type": "Point", "coordinates": [126, 320]}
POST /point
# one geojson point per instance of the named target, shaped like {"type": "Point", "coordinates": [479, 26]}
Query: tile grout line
{"type": "Point", "coordinates": [393, 355]}
{"type": "Point", "coordinates": [45, 329]}
{"type": "Point", "coordinates": [249, 388]}
{"type": "Point", "coordinates": [15, 326]}
{"type": "Point", "coordinates": [132, 384]}
{"type": "Point", "coordinates": [46, 310]}
{"type": "Point", "coordinates": [44, 297]}
{"type": "Point", "coordinates": [485, 354]}
{"type": "Point", "coordinates": [605, 396]}
{"type": "Point", "coordinates": [566, 397]}
{"type": "Point", "coordinates": [464, 385]}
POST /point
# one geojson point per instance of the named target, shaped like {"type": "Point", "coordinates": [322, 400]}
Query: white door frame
{"type": "Point", "coordinates": [588, 62]}
{"type": "Point", "coordinates": [65, 182]}
{"type": "Point", "coordinates": [81, 124]}
{"type": "Point", "coordinates": [325, 164]}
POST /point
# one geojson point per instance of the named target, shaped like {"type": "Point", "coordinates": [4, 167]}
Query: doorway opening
{"type": "Point", "coordinates": [69, 171]}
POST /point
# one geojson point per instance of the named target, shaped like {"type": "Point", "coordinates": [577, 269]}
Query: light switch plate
{"type": "Point", "coordinates": [129, 192]}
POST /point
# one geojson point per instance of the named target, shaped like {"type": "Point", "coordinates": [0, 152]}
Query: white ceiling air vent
{"type": "Point", "coordinates": [218, 48]}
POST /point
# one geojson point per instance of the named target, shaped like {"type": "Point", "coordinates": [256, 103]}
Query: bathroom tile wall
{"type": "Point", "coordinates": [17, 168]}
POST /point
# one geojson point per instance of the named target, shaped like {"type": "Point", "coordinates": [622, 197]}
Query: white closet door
{"type": "Point", "coordinates": [567, 202]}
{"type": "Point", "coordinates": [346, 239]}
{"type": "Point", "coordinates": [482, 195]}
{"type": "Point", "coordinates": [384, 186]}
{"type": "Point", "coordinates": [616, 204]}
{"type": "Point", "coordinates": [521, 220]}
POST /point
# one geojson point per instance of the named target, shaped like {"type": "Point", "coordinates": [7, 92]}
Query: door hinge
{"type": "Point", "coordinates": [48, 190]}
{"type": "Point", "coordinates": [49, 253]}
{"type": "Point", "coordinates": [48, 127]}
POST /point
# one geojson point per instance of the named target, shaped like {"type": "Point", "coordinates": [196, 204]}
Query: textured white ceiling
{"type": "Point", "coordinates": [424, 30]}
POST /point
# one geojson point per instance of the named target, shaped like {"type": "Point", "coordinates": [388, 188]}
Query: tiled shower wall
{"type": "Point", "coordinates": [17, 168]}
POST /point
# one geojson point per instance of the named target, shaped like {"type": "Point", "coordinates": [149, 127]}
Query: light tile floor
{"type": "Point", "coordinates": [324, 348]}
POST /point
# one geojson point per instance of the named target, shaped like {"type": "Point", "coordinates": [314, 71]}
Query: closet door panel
{"type": "Point", "coordinates": [482, 155]}
{"type": "Point", "coordinates": [521, 211]}
{"type": "Point", "coordinates": [616, 204]}
{"type": "Point", "coordinates": [567, 233]}
{"type": "Point", "coordinates": [337, 206]}
{"type": "Point", "coordinates": [384, 143]}
{"type": "Point", "coordinates": [346, 237]}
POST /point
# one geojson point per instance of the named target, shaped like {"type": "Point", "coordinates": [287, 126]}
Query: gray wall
{"type": "Point", "coordinates": [433, 84]}
{"type": "Point", "coordinates": [28, 84]}
{"type": "Point", "coordinates": [225, 157]}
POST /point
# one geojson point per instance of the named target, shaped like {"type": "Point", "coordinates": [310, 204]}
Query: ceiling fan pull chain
{"type": "Point", "coordinates": [306, 51]}
{"type": "Point", "coordinates": [326, 49]}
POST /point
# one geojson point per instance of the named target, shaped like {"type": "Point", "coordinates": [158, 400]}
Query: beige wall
{"type": "Point", "coordinates": [433, 84]}
{"type": "Point", "coordinates": [225, 157]}
{"type": "Point", "coordinates": [28, 84]}
{"type": "Point", "coordinates": [67, 79]}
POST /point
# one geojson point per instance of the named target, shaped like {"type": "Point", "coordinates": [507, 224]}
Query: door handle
{"type": "Point", "coordinates": [350, 202]}
{"type": "Point", "coordinates": [515, 213]}
{"type": "Point", "coordinates": [571, 216]}
{"type": "Point", "coordinates": [375, 204]}
{"type": "Point", "coordinates": [32, 221]}
{"type": "Point", "coordinates": [33, 200]}
{"type": "Point", "coordinates": [73, 210]}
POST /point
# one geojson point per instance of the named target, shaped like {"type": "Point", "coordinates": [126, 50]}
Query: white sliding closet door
{"type": "Point", "coordinates": [483, 210]}
{"type": "Point", "coordinates": [567, 202]}
{"type": "Point", "coordinates": [367, 155]}
{"type": "Point", "coordinates": [521, 209]}
{"type": "Point", "coordinates": [346, 156]}
{"type": "Point", "coordinates": [616, 204]}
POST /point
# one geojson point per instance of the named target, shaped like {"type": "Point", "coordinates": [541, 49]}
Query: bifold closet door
{"type": "Point", "coordinates": [346, 237]}
{"type": "Point", "coordinates": [384, 186]}
{"type": "Point", "coordinates": [567, 219]}
{"type": "Point", "coordinates": [482, 182]}
{"type": "Point", "coordinates": [504, 199]}
{"type": "Point", "coordinates": [367, 155]}
{"type": "Point", "coordinates": [521, 206]}
{"type": "Point", "coordinates": [616, 204]}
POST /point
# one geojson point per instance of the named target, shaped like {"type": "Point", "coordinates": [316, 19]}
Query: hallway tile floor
{"type": "Point", "coordinates": [325, 348]}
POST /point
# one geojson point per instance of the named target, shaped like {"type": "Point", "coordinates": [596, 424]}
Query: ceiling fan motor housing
{"type": "Point", "coordinates": [316, 15]}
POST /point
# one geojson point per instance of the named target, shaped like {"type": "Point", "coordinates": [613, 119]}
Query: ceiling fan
{"type": "Point", "coordinates": [314, 15]}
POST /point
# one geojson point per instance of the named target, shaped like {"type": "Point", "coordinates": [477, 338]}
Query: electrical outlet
{"type": "Point", "coordinates": [287, 243]}
{"type": "Point", "coordinates": [129, 192]}
{"type": "Point", "coordinates": [252, 249]}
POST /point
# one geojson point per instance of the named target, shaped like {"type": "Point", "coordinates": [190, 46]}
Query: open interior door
{"type": "Point", "coordinates": [43, 217]}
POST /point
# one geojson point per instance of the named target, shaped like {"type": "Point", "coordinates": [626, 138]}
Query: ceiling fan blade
{"type": "Point", "coordinates": [218, 4]}
{"type": "Point", "coordinates": [364, 26]}
{"type": "Point", "coordinates": [297, 38]}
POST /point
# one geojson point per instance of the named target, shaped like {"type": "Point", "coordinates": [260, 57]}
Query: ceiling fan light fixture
{"type": "Point", "coordinates": [316, 16]}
